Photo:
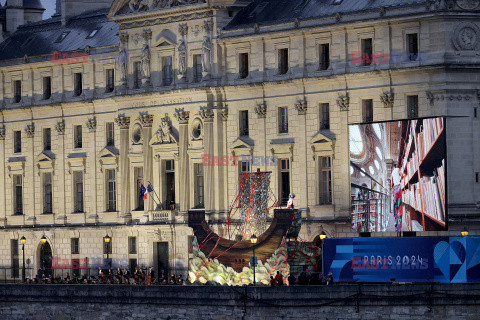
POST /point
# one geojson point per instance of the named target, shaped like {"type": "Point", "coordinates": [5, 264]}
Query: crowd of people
{"type": "Point", "coordinates": [304, 279]}
{"type": "Point", "coordinates": [138, 276]}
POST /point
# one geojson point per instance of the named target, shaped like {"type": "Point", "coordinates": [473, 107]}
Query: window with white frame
{"type": "Point", "coordinates": [283, 120]}
{"type": "Point", "coordinates": [111, 197]}
{"type": "Point", "coordinates": [78, 191]}
{"type": "Point", "coordinates": [325, 180]}
{"type": "Point", "coordinates": [47, 193]}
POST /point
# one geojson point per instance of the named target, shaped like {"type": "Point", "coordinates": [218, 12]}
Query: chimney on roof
{"type": "Point", "coordinates": [19, 12]}
{"type": "Point", "coordinates": [71, 8]}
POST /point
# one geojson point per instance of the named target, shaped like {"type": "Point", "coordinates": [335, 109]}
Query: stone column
{"type": "Point", "coordinates": [124, 124]}
{"type": "Point", "coordinates": [184, 199]}
{"type": "Point", "coordinates": [208, 148]}
{"type": "Point", "coordinates": [147, 121]}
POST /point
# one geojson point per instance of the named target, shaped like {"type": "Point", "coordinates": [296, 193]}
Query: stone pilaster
{"type": "Point", "coordinates": [29, 177]}
{"type": "Point", "coordinates": [208, 148]}
{"type": "Point", "coordinates": [3, 207]}
{"type": "Point", "coordinates": [59, 198]}
{"type": "Point", "coordinates": [183, 117]}
{"type": "Point", "coordinates": [147, 121]}
{"type": "Point", "coordinates": [124, 125]}
{"type": "Point", "coordinates": [92, 173]}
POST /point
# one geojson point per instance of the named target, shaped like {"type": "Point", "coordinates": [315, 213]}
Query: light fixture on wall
{"type": "Point", "coordinates": [44, 239]}
{"type": "Point", "coordinates": [464, 232]}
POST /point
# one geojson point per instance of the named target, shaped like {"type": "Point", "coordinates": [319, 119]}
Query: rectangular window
{"type": "Point", "coordinates": [75, 245]}
{"type": "Point", "coordinates": [47, 193]}
{"type": "Point", "coordinates": [199, 186]}
{"type": "Point", "coordinates": [325, 116]}
{"type": "Point", "coordinates": [167, 71]}
{"type": "Point", "coordinates": [282, 61]}
{"type": "Point", "coordinates": [412, 46]}
{"type": "Point", "coordinates": [14, 257]}
{"type": "Point", "coordinates": [18, 194]}
{"type": "Point", "coordinates": [244, 123]}
{"type": "Point", "coordinates": [197, 67]}
{"type": "Point", "coordinates": [284, 181]}
{"type": "Point", "coordinates": [367, 110]}
{"type": "Point", "coordinates": [170, 184]}
{"type": "Point", "coordinates": [325, 171]}
{"type": "Point", "coordinates": [110, 134]}
{"type": "Point", "coordinates": [324, 56]}
{"type": "Point", "coordinates": [17, 91]}
{"type": "Point", "coordinates": [110, 80]}
{"type": "Point", "coordinates": [111, 190]}
{"type": "Point", "coordinates": [78, 86]}
{"type": "Point", "coordinates": [132, 245]}
{"type": "Point", "coordinates": [283, 120]}
{"type": "Point", "coordinates": [412, 105]}
{"type": "Point", "coordinates": [137, 72]}
{"type": "Point", "coordinates": [77, 136]}
{"type": "Point", "coordinates": [243, 65]}
{"type": "Point", "coordinates": [17, 141]}
{"type": "Point", "coordinates": [139, 184]}
{"type": "Point", "coordinates": [47, 139]}
{"type": "Point", "coordinates": [47, 88]}
{"type": "Point", "coordinates": [367, 50]}
{"type": "Point", "coordinates": [244, 167]}
{"type": "Point", "coordinates": [78, 191]}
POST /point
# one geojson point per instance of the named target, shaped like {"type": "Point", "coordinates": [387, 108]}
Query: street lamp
{"type": "Point", "coordinates": [465, 232]}
{"type": "Point", "coordinates": [44, 239]}
{"type": "Point", "coordinates": [23, 240]}
{"type": "Point", "coordinates": [107, 242]}
{"type": "Point", "coordinates": [323, 236]}
{"type": "Point", "coordinates": [253, 240]}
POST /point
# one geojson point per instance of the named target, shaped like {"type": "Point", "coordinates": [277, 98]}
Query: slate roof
{"type": "Point", "coordinates": [276, 11]}
{"type": "Point", "coordinates": [44, 37]}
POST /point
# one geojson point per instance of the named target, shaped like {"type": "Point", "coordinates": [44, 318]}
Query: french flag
{"type": "Point", "coordinates": [146, 191]}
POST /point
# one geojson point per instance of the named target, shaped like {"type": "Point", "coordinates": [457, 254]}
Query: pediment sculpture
{"type": "Point", "coordinates": [147, 5]}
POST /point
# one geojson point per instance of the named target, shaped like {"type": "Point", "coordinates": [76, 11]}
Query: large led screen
{"type": "Point", "coordinates": [397, 175]}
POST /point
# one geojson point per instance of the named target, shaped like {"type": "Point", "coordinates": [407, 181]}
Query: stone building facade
{"type": "Point", "coordinates": [148, 91]}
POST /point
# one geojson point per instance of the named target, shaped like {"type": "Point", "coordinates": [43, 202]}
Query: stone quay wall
{"type": "Point", "coordinates": [340, 301]}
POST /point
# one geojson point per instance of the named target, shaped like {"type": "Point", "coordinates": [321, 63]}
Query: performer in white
{"type": "Point", "coordinates": [290, 201]}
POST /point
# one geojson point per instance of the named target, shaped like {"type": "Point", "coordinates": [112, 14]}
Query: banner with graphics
{"type": "Point", "coordinates": [415, 259]}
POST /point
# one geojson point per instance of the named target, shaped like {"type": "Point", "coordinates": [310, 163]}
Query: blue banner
{"type": "Point", "coordinates": [415, 259]}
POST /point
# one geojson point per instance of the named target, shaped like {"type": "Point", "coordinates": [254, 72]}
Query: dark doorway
{"type": "Point", "coordinates": [160, 250]}
{"type": "Point", "coordinates": [170, 190]}
{"type": "Point", "coordinates": [46, 258]}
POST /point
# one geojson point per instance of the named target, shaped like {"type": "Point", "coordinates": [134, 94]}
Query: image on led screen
{"type": "Point", "coordinates": [397, 172]}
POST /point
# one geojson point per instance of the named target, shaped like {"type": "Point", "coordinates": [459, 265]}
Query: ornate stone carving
{"type": "Point", "coordinates": [60, 127]}
{"type": "Point", "coordinates": [206, 55]}
{"type": "Point", "coordinates": [382, 11]}
{"type": "Point", "coordinates": [123, 38]}
{"type": "Point", "coordinates": [207, 115]}
{"type": "Point", "coordinates": [182, 116]}
{"type": "Point", "coordinates": [122, 61]}
{"type": "Point", "coordinates": [30, 130]}
{"type": "Point", "coordinates": [432, 97]}
{"type": "Point", "coordinates": [296, 23]}
{"type": "Point", "coordinates": [466, 37]}
{"type": "Point", "coordinates": [147, 35]}
{"type": "Point", "coordinates": [183, 29]}
{"type": "Point", "coordinates": [169, 19]}
{"type": "Point", "coordinates": [338, 17]}
{"type": "Point", "coordinates": [2, 133]}
{"type": "Point", "coordinates": [164, 134]}
{"type": "Point", "coordinates": [147, 5]}
{"type": "Point", "coordinates": [123, 122]}
{"type": "Point", "coordinates": [256, 28]}
{"type": "Point", "coordinates": [182, 59]}
{"type": "Point", "coordinates": [223, 113]}
{"type": "Point", "coordinates": [343, 102]}
{"type": "Point", "coordinates": [146, 120]}
{"type": "Point", "coordinates": [261, 110]}
{"type": "Point", "coordinates": [468, 4]}
{"type": "Point", "coordinates": [92, 124]}
{"type": "Point", "coordinates": [208, 26]}
{"type": "Point", "coordinates": [145, 58]}
{"type": "Point", "coordinates": [387, 99]}
{"type": "Point", "coordinates": [301, 107]}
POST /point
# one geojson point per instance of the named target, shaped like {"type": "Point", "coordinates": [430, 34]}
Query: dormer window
{"type": "Point", "coordinates": [92, 34]}
{"type": "Point", "coordinates": [62, 36]}
{"type": "Point", "coordinates": [17, 91]}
